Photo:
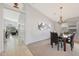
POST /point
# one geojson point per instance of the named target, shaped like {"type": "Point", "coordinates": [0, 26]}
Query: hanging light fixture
{"type": "Point", "coordinates": [61, 17]}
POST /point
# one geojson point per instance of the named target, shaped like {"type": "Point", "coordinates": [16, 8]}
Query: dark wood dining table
{"type": "Point", "coordinates": [64, 37]}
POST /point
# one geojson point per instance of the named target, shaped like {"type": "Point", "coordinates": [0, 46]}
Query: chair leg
{"type": "Point", "coordinates": [72, 45]}
{"type": "Point", "coordinates": [61, 45]}
{"type": "Point", "coordinates": [55, 43]}
{"type": "Point", "coordinates": [51, 42]}
{"type": "Point", "coordinates": [52, 45]}
{"type": "Point", "coordinates": [58, 47]}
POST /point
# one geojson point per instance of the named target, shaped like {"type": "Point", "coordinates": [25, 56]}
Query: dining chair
{"type": "Point", "coordinates": [55, 39]}
{"type": "Point", "coordinates": [70, 40]}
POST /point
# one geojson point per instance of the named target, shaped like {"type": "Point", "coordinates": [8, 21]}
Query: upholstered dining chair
{"type": "Point", "coordinates": [55, 39]}
{"type": "Point", "coordinates": [70, 40]}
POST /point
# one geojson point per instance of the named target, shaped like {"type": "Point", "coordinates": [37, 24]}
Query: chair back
{"type": "Point", "coordinates": [72, 37]}
{"type": "Point", "coordinates": [54, 37]}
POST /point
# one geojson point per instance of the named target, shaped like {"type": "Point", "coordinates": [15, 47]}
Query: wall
{"type": "Point", "coordinates": [1, 29]}
{"type": "Point", "coordinates": [33, 18]}
{"type": "Point", "coordinates": [11, 15]}
{"type": "Point", "coordinates": [21, 28]}
{"type": "Point", "coordinates": [74, 21]}
{"type": "Point", "coordinates": [14, 18]}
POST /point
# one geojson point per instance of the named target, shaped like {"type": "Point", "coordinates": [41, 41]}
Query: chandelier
{"type": "Point", "coordinates": [61, 17]}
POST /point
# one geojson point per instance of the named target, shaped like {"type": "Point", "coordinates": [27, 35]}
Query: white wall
{"type": "Point", "coordinates": [74, 21]}
{"type": "Point", "coordinates": [16, 19]}
{"type": "Point", "coordinates": [77, 30]}
{"type": "Point", "coordinates": [33, 18]}
{"type": "Point", "coordinates": [21, 28]}
{"type": "Point", "coordinates": [1, 29]}
{"type": "Point", "coordinates": [11, 15]}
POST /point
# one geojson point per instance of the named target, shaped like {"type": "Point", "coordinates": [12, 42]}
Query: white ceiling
{"type": "Point", "coordinates": [52, 10]}
{"type": "Point", "coordinates": [10, 5]}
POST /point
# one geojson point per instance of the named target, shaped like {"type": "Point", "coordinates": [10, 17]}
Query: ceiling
{"type": "Point", "coordinates": [11, 5]}
{"type": "Point", "coordinates": [52, 10]}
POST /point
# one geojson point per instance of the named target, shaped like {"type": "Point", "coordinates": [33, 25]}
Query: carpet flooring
{"type": "Point", "coordinates": [43, 48]}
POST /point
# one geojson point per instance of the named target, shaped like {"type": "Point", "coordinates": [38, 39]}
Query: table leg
{"type": "Point", "coordinates": [64, 44]}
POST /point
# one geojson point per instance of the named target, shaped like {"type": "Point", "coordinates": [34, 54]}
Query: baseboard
{"type": "Point", "coordinates": [37, 41]}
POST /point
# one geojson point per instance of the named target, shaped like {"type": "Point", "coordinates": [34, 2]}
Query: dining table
{"type": "Point", "coordinates": [64, 37]}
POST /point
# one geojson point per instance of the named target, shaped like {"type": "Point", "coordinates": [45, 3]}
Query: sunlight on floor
{"type": "Point", "coordinates": [21, 50]}
{"type": "Point", "coordinates": [14, 47]}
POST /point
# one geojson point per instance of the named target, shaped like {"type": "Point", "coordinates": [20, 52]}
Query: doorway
{"type": "Point", "coordinates": [13, 28]}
